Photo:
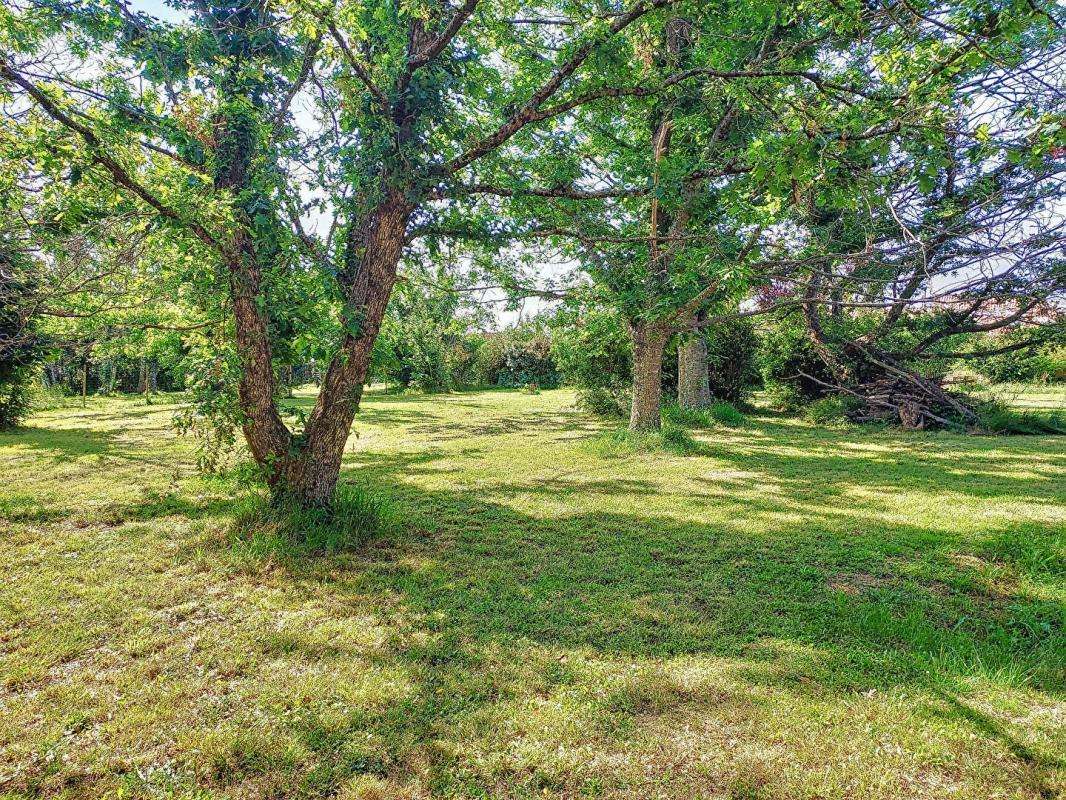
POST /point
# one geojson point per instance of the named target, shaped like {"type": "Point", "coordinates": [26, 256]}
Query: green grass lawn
{"type": "Point", "coordinates": [787, 612]}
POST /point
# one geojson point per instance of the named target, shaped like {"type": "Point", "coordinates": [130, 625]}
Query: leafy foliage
{"type": "Point", "coordinates": [1043, 361]}
{"type": "Point", "coordinates": [20, 348]}
{"type": "Point", "coordinates": [592, 349]}
{"type": "Point", "coordinates": [732, 347]}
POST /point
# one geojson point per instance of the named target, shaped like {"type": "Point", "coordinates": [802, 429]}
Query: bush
{"type": "Point", "coordinates": [786, 351]}
{"type": "Point", "coordinates": [516, 357]}
{"type": "Point", "coordinates": [995, 416]}
{"type": "Point", "coordinates": [606, 401]}
{"type": "Point", "coordinates": [489, 361]}
{"type": "Point", "coordinates": [727, 414]}
{"type": "Point", "coordinates": [830, 410]}
{"type": "Point", "coordinates": [1057, 363]}
{"type": "Point", "coordinates": [20, 348]}
{"type": "Point", "coordinates": [732, 349]}
{"type": "Point", "coordinates": [16, 395]}
{"type": "Point", "coordinates": [593, 351]}
{"type": "Point", "coordinates": [527, 360]}
{"type": "Point", "coordinates": [1039, 363]}
{"type": "Point", "coordinates": [264, 528]}
{"type": "Point", "coordinates": [795, 373]}
{"type": "Point", "coordinates": [784, 397]}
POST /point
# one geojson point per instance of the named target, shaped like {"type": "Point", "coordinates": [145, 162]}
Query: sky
{"type": "Point", "coordinates": [157, 9]}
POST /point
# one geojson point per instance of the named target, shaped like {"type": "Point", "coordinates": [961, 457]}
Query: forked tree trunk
{"type": "Point", "coordinates": [649, 342]}
{"type": "Point", "coordinates": [693, 382]}
{"type": "Point", "coordinates": [308, 474]}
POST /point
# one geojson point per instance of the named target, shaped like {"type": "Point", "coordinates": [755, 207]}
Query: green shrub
{"type": "Point", "coordinates": [796, 372]}
{"type": "Point", "coordinates": [16, 395]}
{"type": "Point", "coordinates": [1057, 364]}
{"type": "Point", "coordinates": [527, 359]}
{"type": "Point", "coordinates": [489, 362]}
{"type": "Point", "coordinates": [783, 397]}
{"type": "Point", "coordinates": [517, 357]}
{"type": "Point", "coordinates": [831, 410]}
{"type": "Point", "coordinates": [264, 528]}
{"type": "Point", "coordinates": [1038, 363]}
{"type": "Point", "coordinates": [606, 401]}
{"type": "Point", "coordinates": [20, 347]}
{"type": "Point", "coordinates": [785, 355]}
{"type": "Point", "coordinates": [593, 351]}
{"type": "Point", "coordinates": [727, 414]}
{"type": "Point", "coordinates": [732, 350]}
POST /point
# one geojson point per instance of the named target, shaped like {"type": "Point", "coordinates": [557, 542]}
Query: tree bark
{"type": "Point", "coordinates": [265, 432]}
{"type": "Point", "coordinates": [693, 381]}
{"type": "Point", "coordinates": [649, 342]}
{"type": "Point", "coordinates": [309, 475]}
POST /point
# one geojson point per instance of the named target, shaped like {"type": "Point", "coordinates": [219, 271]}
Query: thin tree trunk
{"type": "Point", "coordinates": [285, 380]}
{"type": "Point", "coordinates": [267, 436]}
{"type": "Point", "coordinates": [649, 342]}
{"type": "Point", "coordinates": [693, 382]}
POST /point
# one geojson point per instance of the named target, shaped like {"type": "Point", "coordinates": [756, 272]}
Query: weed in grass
{"type": "Point", "coordinates": [727, 414]}
{"type": "Point", "coordinates": [718, 413]}
{"type": "Point", "coordinates": [670, 438]}
{"type": "Point", "coordinates": [262, 528]}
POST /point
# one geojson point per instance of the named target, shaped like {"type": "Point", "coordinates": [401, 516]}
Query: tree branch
{"type": "Point", "coordinates": [360, 69]}
{"type": "Point", "coordinates": [435, 47]}
{"type": "Point", "coordinates": [119, 174]}
{"type": "Point", "coordinates": [529, 112]}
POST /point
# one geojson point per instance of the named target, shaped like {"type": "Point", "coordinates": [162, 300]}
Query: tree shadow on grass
{"type": "Point", "coordinates": [804, 607]}
{"type": "Point", "coordinates": [61, 444]}
{"type": "Point", "coordinates": [803, 582]}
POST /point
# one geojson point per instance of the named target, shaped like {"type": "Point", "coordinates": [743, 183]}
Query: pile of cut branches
{"type": "Point", "coordinates": [905, 398]}
{"type": "Point", "coordinates": [912, 401]}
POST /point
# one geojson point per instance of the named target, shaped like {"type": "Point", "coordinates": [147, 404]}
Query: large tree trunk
{"type": "Point", "coordinates": [649, 342]}
{"type": "Point", "coordinates": [693, 381]}
{"type": "Point", "coordinates": [309, 475]}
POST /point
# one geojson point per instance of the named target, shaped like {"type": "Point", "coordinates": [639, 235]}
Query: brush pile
{"type": "Point", "coordinates": [910, 400]}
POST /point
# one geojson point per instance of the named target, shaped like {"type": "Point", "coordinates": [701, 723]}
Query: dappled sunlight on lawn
{"type": "Point", "coordinates": [786, 612]}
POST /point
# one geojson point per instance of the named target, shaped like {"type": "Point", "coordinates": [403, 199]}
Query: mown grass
{"type": "Point", "coordinates": [783, 612]}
